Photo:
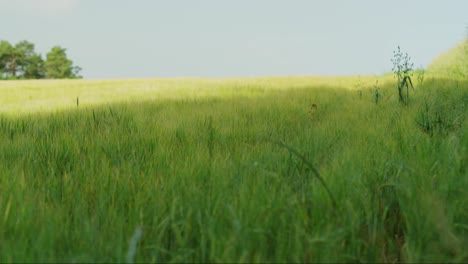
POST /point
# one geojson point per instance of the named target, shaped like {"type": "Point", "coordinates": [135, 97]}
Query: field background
{"type": "Point", "coordinates": [277, 169]}
{"type": "Point", "coordinates": [39, 96]}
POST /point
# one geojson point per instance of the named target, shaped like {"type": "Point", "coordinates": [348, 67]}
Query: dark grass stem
{"type": "Point", "coordinates": [311, 166]}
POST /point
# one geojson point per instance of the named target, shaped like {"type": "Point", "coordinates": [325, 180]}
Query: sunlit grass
{"type": "Point", "coordinates": [22, 97]}
{"type": "Point", "coordinates": [453, 62]}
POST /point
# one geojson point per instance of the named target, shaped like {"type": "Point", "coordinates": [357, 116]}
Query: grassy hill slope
{"type": "Point", "coordinates": [453, 62]}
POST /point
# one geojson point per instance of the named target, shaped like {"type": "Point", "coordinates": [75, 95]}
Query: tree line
{"type": "Point", "coordinates": [21, 61]}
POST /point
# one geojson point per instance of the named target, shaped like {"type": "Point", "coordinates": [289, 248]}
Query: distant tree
{"type": "Point", "coordinates": [34, 68]}
{"type": "Point", "coordinates": [5, 48]}
{"type": "Point", "coordinates": [58, 66]}
{"type": "Point", "coordinates": [76, 72]}
{"type": "Point", "coordinates": [22, 62]}
{"type": "Point", "coordinates": [30, 64]}
{"type": "Point", "coordinates": [8, 60]}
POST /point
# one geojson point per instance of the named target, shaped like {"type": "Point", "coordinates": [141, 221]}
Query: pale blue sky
{"type": "Point", "coordinates": [219, 38]}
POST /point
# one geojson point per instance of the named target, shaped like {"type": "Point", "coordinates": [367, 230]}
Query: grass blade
{"type": "Point", "coordinates": [310, 165]}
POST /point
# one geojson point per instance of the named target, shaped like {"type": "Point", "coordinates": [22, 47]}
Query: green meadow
{"type": "Point", "coordinates": [277, 169]}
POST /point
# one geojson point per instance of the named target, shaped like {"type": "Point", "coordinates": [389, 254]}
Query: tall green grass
{"type": "Point", "coordinates": [192, 163]}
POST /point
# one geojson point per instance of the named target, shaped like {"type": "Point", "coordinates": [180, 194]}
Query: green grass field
{"type": "Point", "coordinates": [198, 168]}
